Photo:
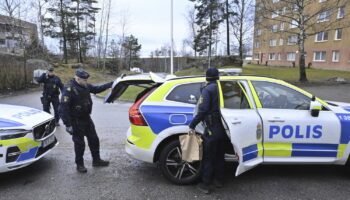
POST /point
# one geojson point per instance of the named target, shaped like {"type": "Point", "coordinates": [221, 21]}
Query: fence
{"type": "Point", "coordinates": [14, 72]}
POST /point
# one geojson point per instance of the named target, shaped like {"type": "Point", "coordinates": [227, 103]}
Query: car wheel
{"type": "Point", "coordinates": [174, 168]}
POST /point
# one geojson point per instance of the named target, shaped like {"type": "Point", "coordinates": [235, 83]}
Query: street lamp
{"type": "Point", "coordinates": [172, 38]}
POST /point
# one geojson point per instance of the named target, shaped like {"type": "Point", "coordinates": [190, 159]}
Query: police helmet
{"type": "Point", "coordinates": [81, 73]}
{"type": "Point", "coordinates": [212, 74]}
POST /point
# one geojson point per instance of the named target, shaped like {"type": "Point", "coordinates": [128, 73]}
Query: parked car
{"type": "Point", "coordinates": [26, 135]}
{"type": "Point", "coordinates": [268, 121]}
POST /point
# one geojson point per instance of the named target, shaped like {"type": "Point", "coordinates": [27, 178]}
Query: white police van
{"type": "Point", "coordinates": [267, 120]}
{"type": "Point", "coordinates": [26, 135]}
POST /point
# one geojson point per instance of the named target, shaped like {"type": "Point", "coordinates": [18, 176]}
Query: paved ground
{"type": "Point", "coordinates": [55, 177]}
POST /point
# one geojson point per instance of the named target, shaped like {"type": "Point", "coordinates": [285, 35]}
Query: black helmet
{"type": "Point", "coordinates": [212, 74]}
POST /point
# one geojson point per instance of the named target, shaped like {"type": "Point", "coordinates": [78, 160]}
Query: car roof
{"type": "Point", "coordinates": [249, 77]}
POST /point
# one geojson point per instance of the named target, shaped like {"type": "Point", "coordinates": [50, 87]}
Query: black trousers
{"type": "Point", "coordinates": [85, 127]}
{"type": "Point", "coordinates": [54, 100]}
{"type": "Point", "coordinates": [213, 162]}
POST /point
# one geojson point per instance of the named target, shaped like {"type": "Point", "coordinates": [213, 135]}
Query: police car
{"type": "Point", "coordinates": [26, 135]}
{"type": "Point", "coordinates": [268, 121]}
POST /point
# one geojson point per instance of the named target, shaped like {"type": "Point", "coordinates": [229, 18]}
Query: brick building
{"type": "Point", "coordinates": [15, 34]}
{"type": "Point", "coordinates": [275, 45]}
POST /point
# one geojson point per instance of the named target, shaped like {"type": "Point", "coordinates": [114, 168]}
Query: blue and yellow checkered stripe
{"type": "Point", "coordinates": [293, 150]}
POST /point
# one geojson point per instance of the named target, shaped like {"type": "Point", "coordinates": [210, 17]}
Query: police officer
{"type": "Point", "coordinates": [51, 91]}
{"type": "Point", "coordinates": [214, 137]}
{"type": "Point", "coordinates": [75, 110]}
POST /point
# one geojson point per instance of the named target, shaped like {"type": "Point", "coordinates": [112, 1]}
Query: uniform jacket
{"type": "Point", "coordinates": [52, 85]}
{"type": "Point", "coordinates": [76, 101]}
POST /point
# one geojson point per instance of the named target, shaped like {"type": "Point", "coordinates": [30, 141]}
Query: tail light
{"type": "Point", "coordinates": [135, 115]}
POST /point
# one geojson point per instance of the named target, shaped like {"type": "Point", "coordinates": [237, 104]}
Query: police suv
{"type": "Point", "coordinates": [267, 120]}
{"type": "Point", "coordinates": [26, 135]}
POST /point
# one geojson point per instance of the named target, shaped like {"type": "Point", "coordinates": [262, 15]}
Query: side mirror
{"type": "Point", "coordinates": [315, 107]}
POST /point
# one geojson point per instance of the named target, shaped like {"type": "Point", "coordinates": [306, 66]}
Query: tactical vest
{"type": "Point", "coordinates": [50, 87]}
{"type": "Point", "coordinates": [81, 104]}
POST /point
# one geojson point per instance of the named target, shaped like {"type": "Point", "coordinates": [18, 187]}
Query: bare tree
{"type": "Point", "coordinates": [193, 27]}
{"type": "Point", "coordinates": [124, 23]}
{"type": "Point", "coordinates": [242, 23]}
{"type": "Point", "coordinates": [304, 17]}
{"type": "Point", "coordinates": [107, 29]}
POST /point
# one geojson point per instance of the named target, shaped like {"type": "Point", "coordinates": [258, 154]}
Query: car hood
{"type": "Point", "coordinates": [343, 105]}
{"type": "Point", "coordinates": [12, 116]}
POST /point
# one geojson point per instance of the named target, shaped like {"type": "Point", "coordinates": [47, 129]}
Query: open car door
{"type": "Point", "coordinates": [243, 124]}
{"type": "Point", "coordinates": [148, 80]}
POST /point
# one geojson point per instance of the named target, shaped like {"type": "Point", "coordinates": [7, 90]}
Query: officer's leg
{"type": "Point", "coordinates": [55, 104]}
{"type": "Point", "coordinates": [219, 170]}
{"type": "Point", "coordinates": [93, 140]}
{"type": "Point", "coordinates": [208, 159]}
{"type": "Point", "coordinates": [79, 143]}
{"type": "Point", "coordinates": [46, 104]}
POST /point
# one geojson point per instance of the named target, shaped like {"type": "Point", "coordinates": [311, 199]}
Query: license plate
{"type": "Point", "coordinates": [48, 141]}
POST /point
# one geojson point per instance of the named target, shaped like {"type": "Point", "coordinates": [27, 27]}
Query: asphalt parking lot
{"type": "Point", "coordinates": [55, 177]}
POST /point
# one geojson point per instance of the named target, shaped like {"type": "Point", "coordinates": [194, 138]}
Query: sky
{"type": "Point", "coordinates": [149, 21]}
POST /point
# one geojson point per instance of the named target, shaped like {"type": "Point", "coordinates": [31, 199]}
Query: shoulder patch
{"type": "Point", "coordinates": [68, 89]}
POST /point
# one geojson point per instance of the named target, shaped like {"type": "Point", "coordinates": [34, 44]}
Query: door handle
{"type": "Point", "coordinates": [276, 120]}
{"type": "Point", "coordinates": [236, 122]}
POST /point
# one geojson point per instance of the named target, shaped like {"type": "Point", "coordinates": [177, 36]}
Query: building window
{"type": "Point", "coordinates": [320, 56]}
{"type": "Point", "coordinates": [321, 36]}
{"type": "Point", "coordinates": [338, 34]}
{"type": "Point", "coordinates": [291, 56]}
{"type": "Point", "coordinates": [292, 40]}
{"type": "Point", "coordinates": [282, 26]}
{"type": "Point", "coordinates": [2, 41]}
{"type": "Point", "coordinates": [274, 14]}
{"type": "Point", "coordinates": [256, 56]}
{"type": "Point", "coordinates": [275, 1]}
{"type": "Point", "coordinates": [321, 1]}
{"type": "Point", "coordinates": [273, 43]}
{"type": "Point", "coordinates": [324, 16]}
{"type": "Point", "coordinates": [274, 28]}
{"type": "Point", "coordinates": [279, 56]}
{"type": "Point", "coordinates": [257, 44]}
{"type": "Point", "coordinates": [341, 12]}
{"type": "Point", "coordinates": [295, 7]}
{"type": "Point", "coordinates": [293, 24]}
{"type": "Point", "coordinates": [272, 56]}
{"type": "Point", "coordinates": [258, 32]}
{"type": "Point", "coordinates": [336, 56]}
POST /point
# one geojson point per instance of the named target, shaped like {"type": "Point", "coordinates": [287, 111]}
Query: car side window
{"type": "Point", "coordinates": [234, 96]}
{"type": "Point", "coordinates": [186, 93]}
{"type": "Point", "coordinates": [273, 95]}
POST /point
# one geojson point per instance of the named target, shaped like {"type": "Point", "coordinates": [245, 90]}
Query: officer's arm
{"type": "Point", "coordinates": [60, 84]}
{"type": "Point", "coordinates": [42, 78]}
{"type": "Point", "coordinates": [100, 88]}
{"type": "Point", "coordinates": [64, 108]}
{"type": "Point", "coordinates": [203, 108]}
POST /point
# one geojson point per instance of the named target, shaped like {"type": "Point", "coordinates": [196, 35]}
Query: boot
{"type": "Point", "coordinates": [218, 184]}
{"type": "Point", "coordinates": [81, 168]}
{"type": "Point", "coordinates": [100, 163]}
{"type": "Point", "coordinates": [203, 188]}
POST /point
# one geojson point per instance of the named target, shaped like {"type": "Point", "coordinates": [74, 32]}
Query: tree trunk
{"type": "Point", "coordinates": [63, 27]}
{"type": "Point", "coordinates": [302, 71]}
{"type": "Point", "coordinates": [210, 37]}
{"type": "Point", "coordinates": [106, 42]}
{"type": "Point", "coordinates": [241, 34]}
{"type": "Point", "coordinates": [80, 59]}
{"type": "Point", "coordinates": [228, 28]}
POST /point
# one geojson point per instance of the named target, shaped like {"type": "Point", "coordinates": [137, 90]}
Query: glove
{"type": "Point", "coordinates": [191, 131]}
{"type": "Point", "coordinates": [69, 129]}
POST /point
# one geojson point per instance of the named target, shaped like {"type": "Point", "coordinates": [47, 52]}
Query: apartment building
{"type": "Point", "coordinates": [15, 34]}
{"type": "Point", "coordinates": [328, 46]}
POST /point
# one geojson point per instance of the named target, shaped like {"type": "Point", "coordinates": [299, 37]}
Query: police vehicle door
{"type": "Point", "coordinates": [291, 134]}
{"type": "Point", "coordinates": [242, 122]}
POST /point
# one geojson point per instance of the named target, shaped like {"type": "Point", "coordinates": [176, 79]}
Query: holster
{"type": "Point", "coordinates": [43, 100]}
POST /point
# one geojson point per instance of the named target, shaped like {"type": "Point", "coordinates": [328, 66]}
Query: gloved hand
{"type": "Point", "coordinates": [69, 129]}
{"type": "Point", "coordinates": [191, 131]}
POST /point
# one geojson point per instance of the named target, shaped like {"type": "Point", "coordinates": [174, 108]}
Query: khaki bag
{"type": "Point", "coordinates": [191, 147]}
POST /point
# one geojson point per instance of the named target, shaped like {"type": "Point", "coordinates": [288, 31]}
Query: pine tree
{"type": "Point", "coordinates": [132, 48]}
{"type": "Point", "coordinates": [209, 16]}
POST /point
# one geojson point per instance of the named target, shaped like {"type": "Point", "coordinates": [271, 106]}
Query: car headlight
{"type": "Point", "coordinates": [7, 134]}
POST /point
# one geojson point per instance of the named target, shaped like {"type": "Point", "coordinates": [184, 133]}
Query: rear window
{"type": "Point", "coordinates": [186, 93]}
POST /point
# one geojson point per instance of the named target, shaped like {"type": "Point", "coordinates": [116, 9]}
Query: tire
{"type": "Point", "coordinates": [176, 170]}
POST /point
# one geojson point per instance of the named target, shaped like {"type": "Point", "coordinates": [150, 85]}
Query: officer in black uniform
{"type": "Point", "coordinates": [52, 87]}
{"type": "Point", "coordinates": [213, 162]}
{"type": "Point", "coordinates": [75, 110]}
